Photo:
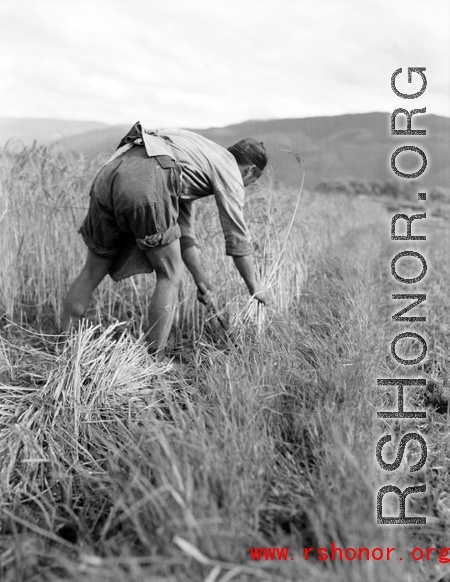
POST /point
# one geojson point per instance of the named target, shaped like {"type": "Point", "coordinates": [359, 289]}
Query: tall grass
{"type": "Point", "coordinates": [43, 202]}
{"type": "Point", "coordinates": [112, 468]}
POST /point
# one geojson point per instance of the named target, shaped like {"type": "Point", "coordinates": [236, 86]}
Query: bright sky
{"type": "Point", "coordinates": [203, 63]}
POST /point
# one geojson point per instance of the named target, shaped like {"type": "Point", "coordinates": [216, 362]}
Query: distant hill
{"type": "Point", "coordinates": [358, 146]}
{"type": "Point", "coordinates": [353, 145]}
{"type": "Point", "coordinates": [43, 130]}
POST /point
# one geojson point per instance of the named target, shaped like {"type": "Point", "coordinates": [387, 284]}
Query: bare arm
{"type": "Point", "coordinates": [191, 258]}
{"type": "Point", "coordinates": [244, 265]}
{"type": "Point", "coordinates": [246, 268]}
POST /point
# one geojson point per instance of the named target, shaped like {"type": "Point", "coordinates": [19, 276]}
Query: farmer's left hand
{"type": "Point", "coordinates": [206, 295]}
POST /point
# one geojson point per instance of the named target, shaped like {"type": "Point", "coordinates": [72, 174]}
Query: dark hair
{"type": "Point", "coordinates": [248, 151]}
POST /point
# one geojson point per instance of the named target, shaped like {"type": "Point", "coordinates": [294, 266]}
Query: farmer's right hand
{"type": "Point", "coordinates": [263, 296]}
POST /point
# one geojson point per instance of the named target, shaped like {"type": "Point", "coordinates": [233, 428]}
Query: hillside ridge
{"type": "Point", "coordinates": [351, 145]}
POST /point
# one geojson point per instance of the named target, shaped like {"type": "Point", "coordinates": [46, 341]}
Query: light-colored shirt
{"type": "Point", "coordinates": [209, 169]}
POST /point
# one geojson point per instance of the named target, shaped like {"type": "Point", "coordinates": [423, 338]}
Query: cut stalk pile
{"type": "Point", "coordinates": [101, 378]}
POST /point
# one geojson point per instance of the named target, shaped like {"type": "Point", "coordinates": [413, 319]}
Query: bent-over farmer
{"type": "Point", "coordinates": [141, 215]}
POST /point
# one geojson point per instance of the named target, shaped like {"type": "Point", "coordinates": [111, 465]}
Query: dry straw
{"type": "Point", "coordinates": [101, 378]}
{"type": "Point", "coordinates": [248, 449]}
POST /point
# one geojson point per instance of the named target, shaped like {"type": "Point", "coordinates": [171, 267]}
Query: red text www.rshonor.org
{"type": "Point", "coordinates": [335, 553]}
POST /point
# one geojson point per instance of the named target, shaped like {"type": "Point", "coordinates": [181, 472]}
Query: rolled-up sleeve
{"type": "Point", "coordinates": [229, 193]}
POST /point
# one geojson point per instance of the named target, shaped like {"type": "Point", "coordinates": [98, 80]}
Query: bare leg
{"type": "Point", "coordinates": [80, 292]}
{"type": "Point", "coordinates": [167, 262]}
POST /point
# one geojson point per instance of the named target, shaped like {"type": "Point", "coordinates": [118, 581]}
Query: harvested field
{"type": "Point", "coordinates": [114, 467]}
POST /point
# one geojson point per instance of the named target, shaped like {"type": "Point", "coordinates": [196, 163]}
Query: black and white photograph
{"type": "Point", "coordinates": [224, 291]}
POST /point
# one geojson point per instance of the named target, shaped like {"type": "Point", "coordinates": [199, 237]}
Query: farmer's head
{"type": "Point", "coordinates": [251, 158]}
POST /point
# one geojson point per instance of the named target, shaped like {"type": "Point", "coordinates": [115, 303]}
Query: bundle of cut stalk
{"type": "Point", "coordinates": [99, 380]}
{"type": "Point", "coordinates": [254, 312]}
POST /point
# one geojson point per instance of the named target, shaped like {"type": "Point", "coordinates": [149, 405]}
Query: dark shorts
{"type": "Point", "coordinates": [134, 197]}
